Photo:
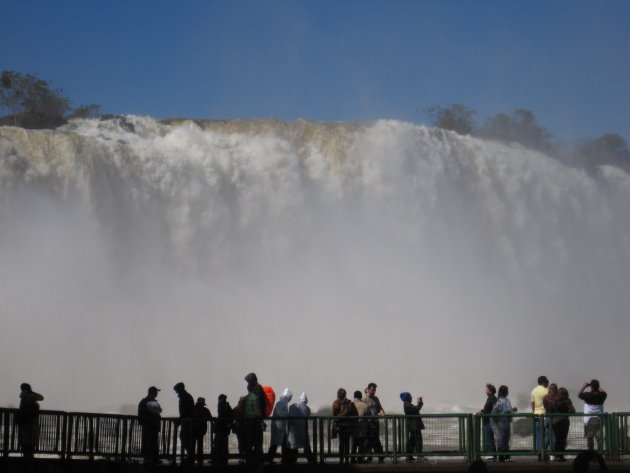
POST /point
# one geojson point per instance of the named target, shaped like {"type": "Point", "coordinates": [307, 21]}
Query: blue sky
{"type": "Point", "coordinates": [339, 60]}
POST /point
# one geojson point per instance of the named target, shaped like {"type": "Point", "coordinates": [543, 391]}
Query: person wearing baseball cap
{"type": "Point", "coordinates": [149, 417]}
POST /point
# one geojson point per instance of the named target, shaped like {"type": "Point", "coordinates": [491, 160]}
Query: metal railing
{"type": "Point", "coordinates": [71, 435]}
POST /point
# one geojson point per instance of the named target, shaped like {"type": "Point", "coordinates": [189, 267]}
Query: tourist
{"type": "Point", "coordinates": [359, 429]}
{"type": "Point", "coordinates": [343, 407]}
{"type": "Point", "coordinates": [488, 436]}
{"type": "Point", "coordinates": [186, 418]}
{"type": "Point", "coordinates": [594, 405]}
{"type": "Point", "coordinates": [538, 408]}
{"type": "Point", "coordinates": [415, 426]}
{"type": "Point", "coordinates": [500, 423]}
{"type": "Point", "coordinates": [27, 419]}
{"type": "Point", "coordinates": [222, 428]}
{"type": "Point", "coordinates": [279, 426]}
{"type": "Point", "coordinates": [150, 419]}
{"type": "Point", "coordinates": [200, 428]}
{"type": "Point", "coordinates": [560, 423]}
{"type": "Point", "coordinates": [373, 441]}
{"type": "Point", "coordinates": [298, 428]}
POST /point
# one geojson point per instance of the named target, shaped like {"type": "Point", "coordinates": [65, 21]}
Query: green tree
{"type": "Point", "coordinates": [32, 102]}
{"type": "Point", "coordinates": [457, 118]}
{"type": "Point", "coordinates": [86, 111]}
{"type": "Point", "coordinates": [520, 127]}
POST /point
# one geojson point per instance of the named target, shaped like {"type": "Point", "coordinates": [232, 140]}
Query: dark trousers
{"type": "Point", "coordinates": [150, 443]}
{"type": "Point", "coordinates": [199, 447]}
{"type": "Point", "coordinates": [414, 442]}
{"type": "Point", "coordinates": [188, 445]}
{"type": "Point", "coordinates": [220, 449]}
{"type": "Point", "coordinates": [252, 437]}
{"type": "Point", "coordinates": [344, 442]}
{"type": "Point", "coordinates": [273, 449]}
{"type": "Point", "coordinates": [373, 440]}
{"type": "Point", "coordinates": [561, 432]}
{"type": "Point", "coordinates": [28, 437]}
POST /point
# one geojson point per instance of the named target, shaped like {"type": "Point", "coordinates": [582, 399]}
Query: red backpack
{"type": "Point", "coordinates": [270, 396]}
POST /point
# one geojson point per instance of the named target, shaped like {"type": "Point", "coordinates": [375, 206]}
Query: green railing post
{"type": "Point", "coordinates": [395, 439]}
{"type": "Point", "coordinates": [320, 439]}
{"type": "Point", "coordinates": [471, 429]}
{"type": "Point", "coordinates": [314, 438]}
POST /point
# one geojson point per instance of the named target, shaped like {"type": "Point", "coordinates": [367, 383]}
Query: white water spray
{"type": "Point", "coordinates": [137, 253]}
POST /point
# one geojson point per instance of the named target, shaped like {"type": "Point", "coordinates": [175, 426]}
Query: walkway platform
{"type": "Point", "coordinates": [17, 465]}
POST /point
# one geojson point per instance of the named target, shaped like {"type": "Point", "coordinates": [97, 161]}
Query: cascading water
{"type": "Point", "coordinates": [320, 255]}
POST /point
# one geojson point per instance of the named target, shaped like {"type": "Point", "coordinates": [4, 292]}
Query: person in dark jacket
{"type": "Point", "coordinates": [27, 419]}
{"type": "Point", "coordinates": [343, 407]}
{"type": "Point", "coordinates": [593, 405]}
{"type": "Point", "coordinates": [186, 421]}
{"type": "Point", "coordinates": [223, 425]}
{"type": "Point", "coordinates": [488, 435]}
{"type": "Point", "coordinates": [359, 431]}
{"type": "Point", "coordinates": [415, 426]}
{"type": "Point", "coordinates": [200, 427]}
{"type": "Point", "coordinates": [257, 389]}
{"type": "Point", "coordinates": [560, 424]}
{"type": "Point", "coordinates": [149, 418]}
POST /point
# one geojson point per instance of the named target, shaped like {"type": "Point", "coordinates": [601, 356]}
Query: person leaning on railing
{"type": "Point", "coordinates": [501, 423]}
{"type": "Point", "coordinates": [488, 435]}
{"type": "Point", "coordinates": [26, 419]}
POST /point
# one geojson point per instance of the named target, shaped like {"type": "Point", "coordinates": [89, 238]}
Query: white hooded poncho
{"type": "Point", "coordinates": [298, 433]}
{"type": "Point", "coordinates": [279, 426]}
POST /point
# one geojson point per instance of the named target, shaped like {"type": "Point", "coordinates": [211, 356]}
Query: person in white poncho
{"type": "Point", "coordinates": [298, 428]}
{"type": "Point", "coordinates": [279, 426]}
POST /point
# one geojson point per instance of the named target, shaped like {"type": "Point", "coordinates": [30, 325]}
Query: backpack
{"type": "Point", "coordinates": [270, 400]}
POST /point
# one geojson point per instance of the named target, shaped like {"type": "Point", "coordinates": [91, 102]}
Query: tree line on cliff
{"type": "Point", "coordinates": [522, 127]}
{"type": "Point", "coordinates": [31, 102]}
{"type": "Point", "coordinates": [34, 103]}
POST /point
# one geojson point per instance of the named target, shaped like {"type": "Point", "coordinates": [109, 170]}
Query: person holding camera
{"type": "Point", "coordinates": [415, 426]}
{"type": "Point", "coordinates": [594, 405]}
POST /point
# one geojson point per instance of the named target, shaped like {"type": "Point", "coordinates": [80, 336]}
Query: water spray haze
{"type": "Point", "coordinates": [137, 253]}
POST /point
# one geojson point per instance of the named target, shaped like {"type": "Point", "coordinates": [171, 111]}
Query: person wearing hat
{"type": "Point", "coordinates": [26, 419]}
{"type": "Point", "coordinates": [222, 427]}
{"type": "Point", "coordinates": [414, 426]}
{"type": "Point", "coordinates": [149, 417]}
{"type": "Point", "coordinates": [186, 420]}
{"type": "Point", "coordinates": [202, 416]}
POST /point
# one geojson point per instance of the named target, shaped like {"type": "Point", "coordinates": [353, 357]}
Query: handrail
{"type": "Point", "coordinates": [83, 435]}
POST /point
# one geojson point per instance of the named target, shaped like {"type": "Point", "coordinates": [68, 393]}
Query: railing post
{"type": "Point", "coordinates": [322, 457]}
{"type": "Point", "coordinates": [395, 438]}
{"type": "Point", "coordinates": [174, 440]}
{"type": "Point", "coordinates": [471, 426]}
{"type": "Point", "coordinates": [314, 438]}
{"type": "Point", "coordinates": [123, 441]}
{"type": "Point", "coordinates": [68, 437]}
{"type": "Point", "coordinates": [4, 415]}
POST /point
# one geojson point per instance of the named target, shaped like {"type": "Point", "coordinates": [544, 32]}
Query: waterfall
{"type": "Point", "coordinates": [319, 255]}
